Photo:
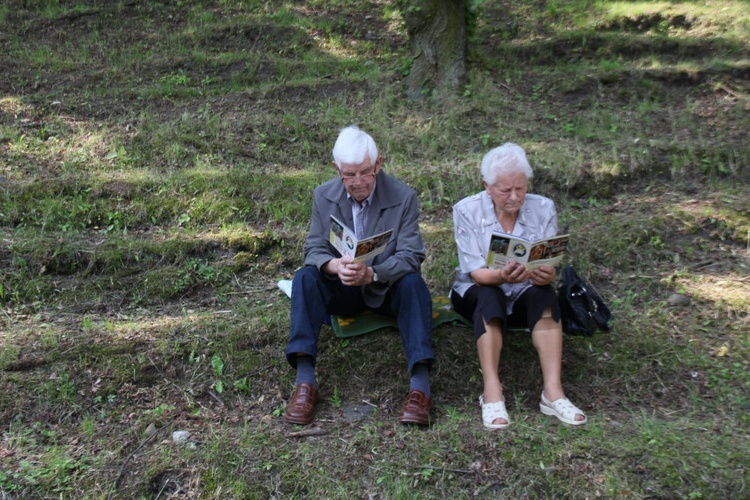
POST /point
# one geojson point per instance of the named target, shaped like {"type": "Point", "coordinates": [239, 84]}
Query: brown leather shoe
{"type": "Point", "coordinates": [301, 407]}
{"type": "Point", "coordinates": [416, 409]}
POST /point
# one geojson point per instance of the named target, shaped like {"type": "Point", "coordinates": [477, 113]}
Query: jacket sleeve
{"type": "Point", "coordinates": [318, 249]}
{"type": "Point", "coordinates": [408, 252]}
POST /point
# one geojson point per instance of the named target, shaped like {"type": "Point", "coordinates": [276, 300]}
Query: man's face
{"type": "Point", "coordinates": [359, 179]}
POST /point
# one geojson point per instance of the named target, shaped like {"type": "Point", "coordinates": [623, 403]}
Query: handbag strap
{"type": "Point", "coordinates": [574, 262]}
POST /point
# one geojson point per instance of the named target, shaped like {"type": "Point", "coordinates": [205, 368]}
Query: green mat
{"type": "Point", "coordinates": [368, 321]}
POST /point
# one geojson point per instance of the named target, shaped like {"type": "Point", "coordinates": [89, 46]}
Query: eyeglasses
{"type": "Point", "coordinates": [350, 178]}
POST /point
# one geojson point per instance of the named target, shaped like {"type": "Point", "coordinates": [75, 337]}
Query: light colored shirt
{"type": "Point", "coordinates": [474, 221]}
{"type": "Point", "coordinates": [359, 213]}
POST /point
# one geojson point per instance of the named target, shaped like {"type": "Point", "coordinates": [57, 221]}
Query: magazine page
{"type": "Point", "coordinates": [343, 239]}
{"type": "Point", "coordinates": [505, 248]}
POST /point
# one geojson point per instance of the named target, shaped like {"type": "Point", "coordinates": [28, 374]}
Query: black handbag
{"type": "Point", "coordinates": [582, 309]}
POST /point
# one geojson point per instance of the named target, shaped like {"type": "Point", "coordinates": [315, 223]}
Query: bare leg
{"type": "Point", "coordinates": [489, 347]}
{"type": "Point", "coordinates": [547, 338]}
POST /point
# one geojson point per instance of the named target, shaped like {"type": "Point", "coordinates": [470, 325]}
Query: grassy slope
{"type": "Point", "coordinates": [156, 161]}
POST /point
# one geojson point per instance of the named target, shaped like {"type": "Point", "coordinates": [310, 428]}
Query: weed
{"type": "Point", "coordinates": [242, 385]}
{"type": "Point", "coordinates": [162, 410]}
{"type": "Point", "coordinates": [335, 399]}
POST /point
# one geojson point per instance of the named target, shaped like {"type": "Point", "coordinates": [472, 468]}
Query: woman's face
{"type": "Point", "coordinates": [508, 192]}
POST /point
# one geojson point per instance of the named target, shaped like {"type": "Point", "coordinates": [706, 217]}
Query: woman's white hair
{"type": "Point", "coordinates": [503, 160]}
{"type": "Point", "coordinates": [353, 146]}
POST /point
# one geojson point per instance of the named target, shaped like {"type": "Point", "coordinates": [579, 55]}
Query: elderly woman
{"type": "Point", "coordinates": [495, 298]}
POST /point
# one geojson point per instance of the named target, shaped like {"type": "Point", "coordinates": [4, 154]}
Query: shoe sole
{"type": "Point", "coordinates": [496, 426]}
{"type": "Point", "coordinates": [298, 421]}
{"type": "Point", "coordinates": [551, 412]}
{"type": "Point", "coordinates": [414, 421]}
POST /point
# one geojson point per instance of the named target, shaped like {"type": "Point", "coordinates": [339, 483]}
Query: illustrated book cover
{"type": "Point", "coordinates": [505, 248]}
{"type": "Point", "coordinates": [344, 240]}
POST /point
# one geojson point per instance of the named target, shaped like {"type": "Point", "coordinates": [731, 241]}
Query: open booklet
{"type": "Point", "coordinates": [505, 248]}
{"type": "Point", "coordinates": [343, 239]}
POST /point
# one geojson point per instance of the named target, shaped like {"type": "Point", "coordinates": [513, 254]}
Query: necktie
{"type": "Point", "coordinates": [360, 218]}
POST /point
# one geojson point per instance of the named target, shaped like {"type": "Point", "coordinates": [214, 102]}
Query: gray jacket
{"type": "Point", "coordinates": [394, 206]}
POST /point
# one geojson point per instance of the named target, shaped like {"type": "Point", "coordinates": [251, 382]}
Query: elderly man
{"type": "Point", "coordinates": [370, 202]}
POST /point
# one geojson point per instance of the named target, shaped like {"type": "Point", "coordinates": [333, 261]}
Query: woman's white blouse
{"type": "Point", "coordinates": [474, 221]}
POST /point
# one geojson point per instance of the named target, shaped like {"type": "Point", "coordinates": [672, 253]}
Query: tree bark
{"type": "Point", "coordinates": [438, 39]}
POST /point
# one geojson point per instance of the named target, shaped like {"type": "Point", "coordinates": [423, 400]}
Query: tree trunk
{"type": "Point", "coordinates": [438, 39]}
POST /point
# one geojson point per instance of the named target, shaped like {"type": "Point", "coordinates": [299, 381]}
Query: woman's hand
{"type": "Point", "coordinates": [514, 272]}
{"type": "Point", "coordinates": [542, 275]}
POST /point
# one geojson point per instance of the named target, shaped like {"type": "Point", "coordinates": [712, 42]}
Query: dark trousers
{"type": "Point", "coordinates": [315, 295]}
{"type": "Point", "coordinates": [485, 303]}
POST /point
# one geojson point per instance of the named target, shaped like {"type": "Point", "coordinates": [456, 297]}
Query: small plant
{"type": "Point", "coordinates": [115, 223]}
{"type": "Point", "coordinates": [184, 219]}
{"type": "Point", "coordinates": [193, 358]}
{"type": "Point", "coordinates": [217, 365]}
{"type": "Point", "coordinates": [242, 385]}
{"type": "Point", "coordinates": [88, 426]}
{"type": "Point", "coordinates": [335, 399]}
{"type": "Point", "coordinates": [536, 93]}
{"type": "Point", "coordinates": [178, 78]}
{"type": "Point", "coordinates": [7, 483]}
{"type": "Point", "coordinates": [161, 410]}
{"type": "Point", "coordinates": [656, 242]}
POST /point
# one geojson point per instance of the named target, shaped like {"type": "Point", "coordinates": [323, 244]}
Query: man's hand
{"type": "Point", "coordinates": [353, 273]}
{"type": "Point", "coordinates": [542, 275]}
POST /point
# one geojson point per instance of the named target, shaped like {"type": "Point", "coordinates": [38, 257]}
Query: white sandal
{"type": "Point", "coordinates": [563, 409]}
{"type": "Point", "coordinates": [493, 411]}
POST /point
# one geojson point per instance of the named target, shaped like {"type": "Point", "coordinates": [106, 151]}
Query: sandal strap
{"type": "Point", "coordinates": [566, 408]}
{"type": "Point", "coordinates": [493, 411]}
{"type": "Point", "coordinates": [563, 407]}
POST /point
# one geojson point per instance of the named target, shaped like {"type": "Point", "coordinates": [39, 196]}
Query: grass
{"type": "Point", "coordinates": [156, 165]}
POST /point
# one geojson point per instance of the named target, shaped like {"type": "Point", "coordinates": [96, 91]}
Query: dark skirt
{"type": "Point", "coordinates": [489, 302]}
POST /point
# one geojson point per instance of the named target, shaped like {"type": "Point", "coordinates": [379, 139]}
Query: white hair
{"type": "Point", "coordinates": [503, 160]}
{"type": "Point", "coordinates": [353, 146]}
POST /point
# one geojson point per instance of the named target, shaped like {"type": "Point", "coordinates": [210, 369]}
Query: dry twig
{"type": "Point", "coordinates": [308, 432]}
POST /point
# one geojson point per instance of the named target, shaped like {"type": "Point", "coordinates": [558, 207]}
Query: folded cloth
{"type": "Point", "coordinates": [286, 287]}
{"type": "Point", "coordinates": [368, 321]}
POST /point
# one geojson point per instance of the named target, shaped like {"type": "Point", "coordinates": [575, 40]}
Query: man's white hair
{"type": "Point", "coordinates": [353, 146]}
{"type": "Point", "coordinates": [503, 160]}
